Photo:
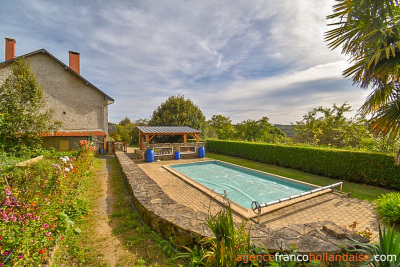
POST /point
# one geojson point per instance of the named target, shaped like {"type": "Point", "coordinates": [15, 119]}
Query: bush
{"type": "Point", "coordinates": [388, 206]}
{"type": "Point", "coordinates": [371, 168]}
{"type": "Point", "coordinates": [227, 244]}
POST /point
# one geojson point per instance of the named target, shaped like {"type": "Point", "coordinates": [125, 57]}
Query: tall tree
{"type": "Point", "coordinates": [125, 121]}
{"type": "Point", "coordinates": [258, 130]}
{"type": "Point", "coordinates": [369, 32]}
{"type": "Point", "coordinates": [330, 127]}
{"type": "Point", "coordinates": [178, 111]}
{"type": "Point", "coordinates": [22, 105]}
{"type": "Point", "coordinates": [223, 126]}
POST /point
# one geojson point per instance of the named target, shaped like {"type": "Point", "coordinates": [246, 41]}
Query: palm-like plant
{"type": "Point", "coordinates": [389, 244]}
{"type": "Point", "coordinates": [369, 32]}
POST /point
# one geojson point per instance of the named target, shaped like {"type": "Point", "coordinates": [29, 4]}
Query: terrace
{"type": "Point", "coordinates": [313, 225]}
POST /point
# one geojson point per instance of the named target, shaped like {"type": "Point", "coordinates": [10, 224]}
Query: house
{"type": "Point", "coordinates": [80, 106]}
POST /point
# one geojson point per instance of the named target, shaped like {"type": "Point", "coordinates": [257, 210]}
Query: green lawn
{"type": "Point", "coordinates": [362, 191]}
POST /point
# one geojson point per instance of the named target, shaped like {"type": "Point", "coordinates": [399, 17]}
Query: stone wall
{"type": "Point", "coordinates": [175, 147]}
{"type": "Point", "coordinates": [168, 218]}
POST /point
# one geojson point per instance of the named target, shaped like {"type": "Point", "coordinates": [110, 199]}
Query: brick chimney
{"type": "Point", "coordinates": [10, 49]}
{"type": "Point", "coordinates": [74, 61]}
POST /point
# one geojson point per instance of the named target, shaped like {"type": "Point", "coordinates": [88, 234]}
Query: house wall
{"type": "Point", "coordinates": [77, 105]}
{"type": "Point", "coordinates": [72, 141]}
{"type": "Point", "coordinates": [4, 73]}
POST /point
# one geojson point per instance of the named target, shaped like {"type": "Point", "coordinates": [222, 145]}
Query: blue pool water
{"type": "Point", "coordinates": [243, 186]}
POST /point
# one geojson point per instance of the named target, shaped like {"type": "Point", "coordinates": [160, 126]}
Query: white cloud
{"type": "Point", "coordinates": [244, 59]}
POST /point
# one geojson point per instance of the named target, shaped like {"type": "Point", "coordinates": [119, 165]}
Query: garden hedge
{"type": "Point", "coordinates": [371, 168]}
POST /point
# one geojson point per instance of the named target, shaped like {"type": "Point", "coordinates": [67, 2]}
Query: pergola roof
{"type": "Point", "coordinates": [167, 130]}
{"type": "Point", "coordinates": [150, 131]}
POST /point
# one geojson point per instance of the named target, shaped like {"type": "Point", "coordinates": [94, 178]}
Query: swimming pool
{"type": "Point", "coordinates": [241, 185]}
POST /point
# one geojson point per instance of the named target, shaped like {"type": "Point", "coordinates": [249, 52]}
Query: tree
{"type": "Point", "coordinates": [22, 105]}
{"type": "Point", "coordinates": [330, 127]}
{"type": "Point", "coordinates": [125, 121]}
{"type": "Point", "coordinates": [178, 111]}
{"type": "Point", "coordinates": [369, 32]}
{"type": "Point", "coordinates": [223, 126]}
{"type": "Point", "coordinates": [258, 130]}
{"type": "Point", "coordinates": [135, 131]}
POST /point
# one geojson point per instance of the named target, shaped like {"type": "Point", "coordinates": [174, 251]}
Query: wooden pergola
{"type": "Point", "coordinates": [150, 131]}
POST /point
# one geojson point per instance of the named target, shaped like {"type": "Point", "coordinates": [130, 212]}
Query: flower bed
{"type": "Point", "coordinates": [38, 205]}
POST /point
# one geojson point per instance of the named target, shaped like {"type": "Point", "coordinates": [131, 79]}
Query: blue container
{"type": "Point", "coordinates": [149, 155]}
{"type": "Point", "coordinates": [177, 155]}
{"type": "Point", "coordinates": [202, 152]}
{"type": "Point", "coordinates": [101, 151]}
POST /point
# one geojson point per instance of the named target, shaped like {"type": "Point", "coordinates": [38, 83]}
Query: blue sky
{"type": "Point", "coordinates": [242, 59]}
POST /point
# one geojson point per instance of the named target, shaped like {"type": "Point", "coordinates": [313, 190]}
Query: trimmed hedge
{"type": "Point", "coordinates": [356, 166]}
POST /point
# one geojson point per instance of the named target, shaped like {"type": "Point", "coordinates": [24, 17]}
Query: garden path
{"type": "Point", "coordinates": [109, 244]}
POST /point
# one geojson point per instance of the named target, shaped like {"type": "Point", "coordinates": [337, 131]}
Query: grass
{"type": "Point", "coordinates": [140, 245]}
{"type": "Point", "coordinates": [133, 233]}
{"type": "Point", "coordinates": [361, 191]}
{"type": "Point", "coordinates": [83, 249]}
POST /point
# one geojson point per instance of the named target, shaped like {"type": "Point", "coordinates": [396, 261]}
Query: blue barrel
{"type": "Point", "coordinates": [101, 151]}
{"type": "Point", "coordinates": [202, 152]}
{"type": "Point", "coordinates": [177, 155]}
{"type": "Point", "coordinates": [149, 155]}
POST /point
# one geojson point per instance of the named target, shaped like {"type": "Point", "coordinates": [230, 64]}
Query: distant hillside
{"type": "Point", "coordinates": [289, 130]}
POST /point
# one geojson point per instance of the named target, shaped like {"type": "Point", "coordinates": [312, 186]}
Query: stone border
{"type": "Point", "coordinates": [28, 162]}
{"type": "Point", "coordinates": [168, 218]}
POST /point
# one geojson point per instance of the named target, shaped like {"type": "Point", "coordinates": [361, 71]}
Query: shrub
{"type": "Point", "coordinates": [356, 166]}
{"type": "Point", "coordinates": [388, 206]}
{"type": "Point", "coordinates": [226, 246]}
{"type": "Point", "coordinates": [389, 245]}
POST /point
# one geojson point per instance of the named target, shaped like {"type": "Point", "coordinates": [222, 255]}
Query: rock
{"type": "Point", "coordinates": [335, 230]}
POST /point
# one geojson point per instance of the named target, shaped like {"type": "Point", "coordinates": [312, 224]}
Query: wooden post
{"type": "Point", "coordinates": [185, 138]}
{"type": "Point", "coordinates": [147, 138]}
{"type": "Point", "coordinates": [140, 140]}
{"type": "Point", "coordinates": [197, 138]}
{"type": "Point", "coordinates": [104, 144]}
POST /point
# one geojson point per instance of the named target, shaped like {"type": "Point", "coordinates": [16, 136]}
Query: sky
{"type": "Point", "coordinates": [244, 59]}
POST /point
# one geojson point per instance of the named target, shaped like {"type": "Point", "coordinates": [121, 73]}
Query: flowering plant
{"type": "Point", "coordinates": [367, 233]}
{"type": "Point", "coordinates": [36, 202]}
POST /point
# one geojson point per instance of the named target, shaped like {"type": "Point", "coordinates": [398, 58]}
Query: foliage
{"type": "Point", "coordinates": [364, 233]}
{"type": "Point", "coordinates": [382, 144]}
{"type": "Point", "coordinates": [34, 206]}
{"type": "Point", "coordinates": [368, 31]}
{"type": "Point", "coordinates": [388, 244]}
{"type": "Point", "coordinates": [388, 206]}
{"type": "Point", "coordinates": [23, 118]}
{"type": "Point", "coordinates": [258, 130]}
{"type": "Point", "coordinates": [178, 111]}
{"type": "Point", "coordinates": [227, 244]}
{"type": "Point", "coordinates": [223, 126]}
{"type": "Point", "coordinates": [127, 131]}
{"type": "Point", "coordinates": [332, 128]}
{"type": "Point", "coordinates": [356, 166]}
{"type": "Point", "coordinates": [125, 121]}
{"type": "Point", "coordinates": [135, 132]}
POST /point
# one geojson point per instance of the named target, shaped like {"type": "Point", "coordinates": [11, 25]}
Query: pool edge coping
{"type": "Point", "coordinates": [237, 208]}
